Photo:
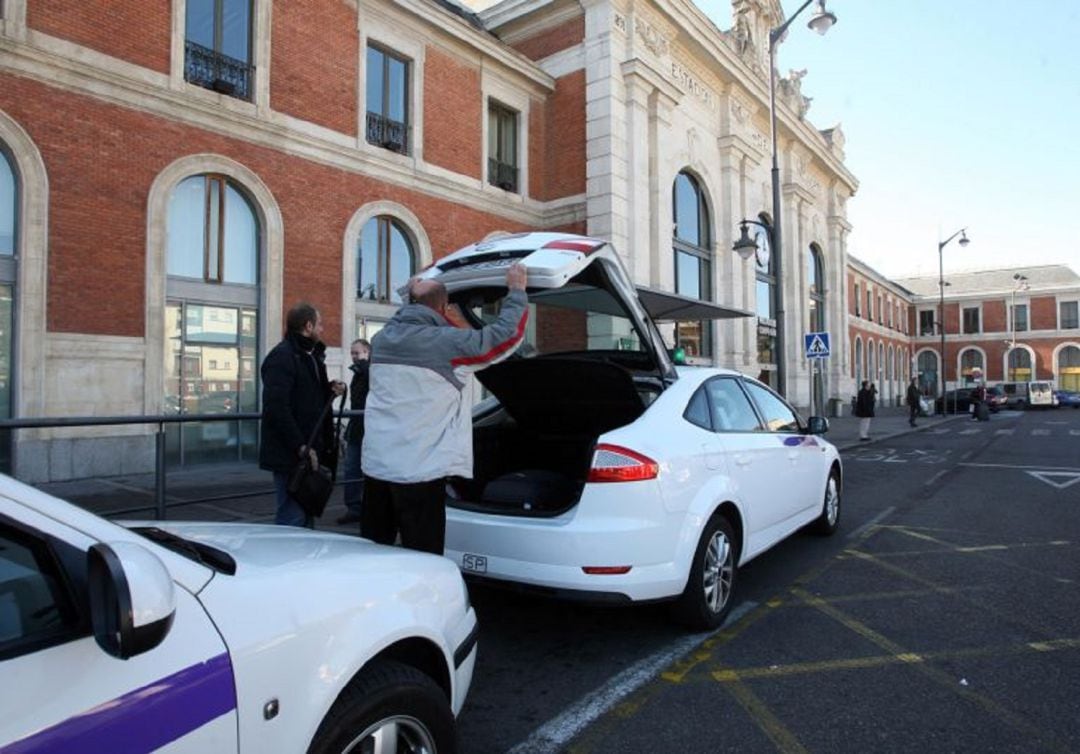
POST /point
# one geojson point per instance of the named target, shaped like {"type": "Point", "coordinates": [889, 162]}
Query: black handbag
{"type": "Point", "coordinates": [309, 487]}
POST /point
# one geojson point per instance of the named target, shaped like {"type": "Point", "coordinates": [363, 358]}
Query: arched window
{"type": "Point", "coordinates": [385, 262]}
{"type": "Point", "coordinates": [211, 318]}
{"type": "Point", "coordinates": [815, 277]}
{"type": "Point", "coordinates": [9, 210]}
{"type": "Point", "coordinates": [1068, 368]}
{"type": "Point", "coordinates": [972, 368]}
{"type": "Point", "coordinates": [928, 372]}
{"type": "Point", "coordinates": [1019, 368]}
{"type": "Point", "coordinates": [693, 260]}
{"type": "Point", "coordinates": [858, 362]}
{"type": "Point", "coordinates": [869, 360]}
{"type": "Point", "coordinates": [889, 374]}
{"type": "Point", "coordinates": [765, 282]}
{"type": "Point", "coordinates": [880, 363]}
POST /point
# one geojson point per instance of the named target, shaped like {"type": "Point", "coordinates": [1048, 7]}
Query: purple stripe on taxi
{"type": "Point", "coordinates": [794, 442]}
{"type": "Point", "coordinates": [145, 719]}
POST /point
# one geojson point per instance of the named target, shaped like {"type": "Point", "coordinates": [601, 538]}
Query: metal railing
{"type": "Point", "coordinates": [160, 506]}
{"type": "Point", "coordinates": [214, 70]}
{"type": "Point", "coordinates": [387, 133]}
{"type": "Point", "coordinates": [502, 174]}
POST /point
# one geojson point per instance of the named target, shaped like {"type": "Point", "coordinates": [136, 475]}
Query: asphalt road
{"type": "Point", "coordinates": [943, 616]}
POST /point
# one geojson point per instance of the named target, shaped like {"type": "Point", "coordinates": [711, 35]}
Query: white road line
{"type": "Point", "coordinates": [973, 431]}
{"type": "Point", "coordinates": [1004, 431]}
{"type": "Point", "coordinates": [934, 478]}
{"type": "Point", "coordinates": [942, 431]}
{"type": "Point", "coordinates": [1011, 466]}
{"type": "Point", "coordinates": [553, 735]}
{"type": "Point", "coordinates": [1074, 432]}
{"type": "Point", "coordinates": [876, 520]}
{"type": "Point", "coordinates": [1040, 432]}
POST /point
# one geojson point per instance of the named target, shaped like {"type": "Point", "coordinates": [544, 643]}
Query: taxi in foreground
{"type": "Point", "coordinates": [200, 637]}
{"type": "Point", "coordinates": [601, 470]}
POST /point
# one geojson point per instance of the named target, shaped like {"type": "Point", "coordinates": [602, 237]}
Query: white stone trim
{"type": "Point", "coordinates": [271, 260]}
{"type": "Point", "coordinates": [964, 306]}
{"type": "Point", "coordinates": [13, 23]}
{"type": "Point", "coordinates": [389, 34]}
{"type": "Point", "coordinates": [351, 308]}
{"type": "Point", "coordinates": [1034, 362]}
{"type": "Point", "coordinates": [494, 87]}
{"type": "Point", "coordinates": [1058, 301]}
{"type": "Point", "coordinates": [31, 273]}
{"type": "Point", "coordinates": [960, 358]}
{"type": "Point", "coordinates": [1056, 354]}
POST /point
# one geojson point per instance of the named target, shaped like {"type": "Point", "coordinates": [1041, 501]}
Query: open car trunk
{"type": "Point", "coordinates": [533, 452]}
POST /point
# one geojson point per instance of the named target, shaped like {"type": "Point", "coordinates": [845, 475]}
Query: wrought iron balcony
{"type": "Point", "coordinates": [503, 175]}
{"type": "Point", "coordinates": [387, 133]}
{"type": "Point", "coordinates": [213, 70]}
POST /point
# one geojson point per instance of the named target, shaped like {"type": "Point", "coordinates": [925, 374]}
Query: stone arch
{"type": "Point", "coordinates": [271, 258]}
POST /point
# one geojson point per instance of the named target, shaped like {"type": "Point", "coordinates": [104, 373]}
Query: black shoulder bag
{"type": "Point", "coordinates": [311, 488]}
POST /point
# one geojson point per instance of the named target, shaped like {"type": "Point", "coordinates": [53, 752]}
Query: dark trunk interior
{"type": "Point", "coordinates": [532, 455]}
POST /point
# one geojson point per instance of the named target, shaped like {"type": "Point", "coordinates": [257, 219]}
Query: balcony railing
{"type": "Point", "coordinates": [213, 70]}
{"type": "Point", "coordinates": [387, 133]}
{"type": "Point", "coordinates": [503, 175]}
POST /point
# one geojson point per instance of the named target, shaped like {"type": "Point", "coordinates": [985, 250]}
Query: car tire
{"type": "Point", "coordinates": [388, 697]}
{"type": "Point", "coordinates": [829, 521]}
{"type": "Point", "coordinates": [707, 598]}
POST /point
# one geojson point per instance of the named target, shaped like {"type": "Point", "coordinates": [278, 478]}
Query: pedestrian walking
{"type": "Point", "coordinates": [913, 400]}
{"type": "Point", "coordinates": [864, 409]}
{"type": "Point", "coordinates": [295, 391]}
{"type": "Point", "coordinates": [360, 350]}
{"type": "Point", "coordinates": [978, 400]}
{"type": "Point", "coordinates": [417, 420]}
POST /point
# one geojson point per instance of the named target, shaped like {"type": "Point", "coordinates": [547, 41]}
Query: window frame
{"type": "Point", "coordinates": [406, 96]}
{"type": "Point", "coordinates": [1061, 310]}
{"type": "Point", "coordinates": [800, 425]}
{"type": "Point", "coordinates": [964, 319]}
{"type": "Point", "coordinates": [245, 93]}
{"type": "Point", "coordinates": [702, 254]}
{"type": "Point", "coordinates": [501, 114]}
{"type": "Point", "coordinates": [61, 557]}
{"type": "Point", "coordinates": [385, 224]}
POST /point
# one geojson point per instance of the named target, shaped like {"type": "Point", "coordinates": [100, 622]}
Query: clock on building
{"type": "Point", "coordinates": [764, 249]}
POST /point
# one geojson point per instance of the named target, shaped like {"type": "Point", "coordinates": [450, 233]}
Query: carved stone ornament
{"type": "Point", "coordinates": [620, 22]}
{"type": "Point", "coordinates": [739, 110]}
{"type": "Point", "coordinates": [791, 92]}
{"type": "Point", "coordinates": [654, 41]}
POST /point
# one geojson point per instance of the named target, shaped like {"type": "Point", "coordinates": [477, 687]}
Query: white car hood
{"type": "Point", "coordinates": [264, 546]}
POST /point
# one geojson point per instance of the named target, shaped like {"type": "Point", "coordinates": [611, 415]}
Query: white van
{"type": "Point", "coordinates": [1024, 394]}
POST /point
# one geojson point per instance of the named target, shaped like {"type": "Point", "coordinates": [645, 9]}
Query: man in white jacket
{"type": "Point", "coordinates": [418, 417]}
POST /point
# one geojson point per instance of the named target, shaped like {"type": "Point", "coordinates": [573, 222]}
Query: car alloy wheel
{"type": "Point", "coordinates": [393, 735]}
{"type": "Point", "coordinates": [829, 520]}
{"type": "Point", "coordinates": [718, 571]}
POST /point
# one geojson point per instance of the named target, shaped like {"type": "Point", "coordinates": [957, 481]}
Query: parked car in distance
{"type": "Point", "coordinates": [955, 402]}
{"type": "Point", "coordinates": [996, 398]}
{"type": "Point", "coordinates": [602, 471]}
{"type": "Point", "coordinates": [214, 637]}
{"type": "Point", "coordinates": [1028, 394]}
{"type": "Point", "coordinates": [1067, 398]}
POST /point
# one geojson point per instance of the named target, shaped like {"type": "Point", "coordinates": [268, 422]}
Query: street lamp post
{"type": "Point", "coordinates": [1020, 284]}
{"type": "Point", "coordinates": [941, 302]}
{"type": "Point", "coordinates": [821, 22]}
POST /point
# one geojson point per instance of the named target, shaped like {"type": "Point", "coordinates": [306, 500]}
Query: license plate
{"type": "Point", "coordinates": [473, 563]}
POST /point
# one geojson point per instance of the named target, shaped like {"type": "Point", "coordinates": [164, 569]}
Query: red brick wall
{"type": "Point", "coordinates": [315, 61]}
{"type": "Point", "coordinates": [453, 108]}
{"type": "Point", "coordinates": [538, 136]}
{"type": "Point", "coordinates": [564, 149]}
{"type": "Point", "coordinates": [552, 40]}
{"type": "Point", "coordinates": [98, 189]}
{"type": "Point", "coordinates": [952, 318]}
{"type": "Point", "coordinates": [994, 317]}
{"type": "Point", "coordinates": [137, 31]}
{"type": "Point", "coordinates": [1044, 313]}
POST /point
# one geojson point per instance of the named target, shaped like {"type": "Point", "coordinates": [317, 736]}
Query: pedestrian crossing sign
{"type": "Point", "coordinates": [817, 345]}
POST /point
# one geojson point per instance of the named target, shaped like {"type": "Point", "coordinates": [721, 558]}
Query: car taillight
{"type": "Point", "coordinates": [584, 245]}
{"type": "Point", "coordinates": [612, 463]}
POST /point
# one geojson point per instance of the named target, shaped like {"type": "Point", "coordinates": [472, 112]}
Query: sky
{"type": "Point", "coordinates": [956, 113]}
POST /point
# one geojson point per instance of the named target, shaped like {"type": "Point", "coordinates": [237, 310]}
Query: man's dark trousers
{"type": "Point", "coordinates": [417, 510]}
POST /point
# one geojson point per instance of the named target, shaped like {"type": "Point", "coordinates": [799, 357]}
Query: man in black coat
{"type": "Point", "coordinates": [295, 391]}
{"type": "Point", "coordinates": [354, 435]}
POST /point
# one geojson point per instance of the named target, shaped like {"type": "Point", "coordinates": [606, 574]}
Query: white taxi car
{"type": "Point", "coordinates": [603, 471]}
{"type": "Point", "coordinates": [197, 637]}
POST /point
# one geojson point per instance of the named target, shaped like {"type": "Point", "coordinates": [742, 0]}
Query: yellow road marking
{"type": "Point", "coordinates": [784, 740]}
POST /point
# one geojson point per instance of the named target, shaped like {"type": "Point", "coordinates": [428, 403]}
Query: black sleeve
{"type": "Point", "coordinates": [279, 377]}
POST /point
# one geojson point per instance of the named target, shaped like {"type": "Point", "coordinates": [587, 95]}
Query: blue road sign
{"type": "Point", "coordinates": [817, 345]}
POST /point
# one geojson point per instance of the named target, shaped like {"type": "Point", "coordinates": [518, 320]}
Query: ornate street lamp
{"type": "Point", "coordinates": [941, 302]}
{"type": "Point", "coordinates": [821, 22]}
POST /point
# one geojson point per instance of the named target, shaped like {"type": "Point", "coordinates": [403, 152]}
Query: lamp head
{"type": "Point", "coordinates": [745, 247]}
{"type": "Point", "coordinates": [822, 20]}
{"type": "Point", "coordinates": [963, 238]}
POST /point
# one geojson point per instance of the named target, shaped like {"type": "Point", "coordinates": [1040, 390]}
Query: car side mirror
{"type": "Point", "coordinates": [817, 425]}
{"type": "Point", "coordinates": [132, 598]}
